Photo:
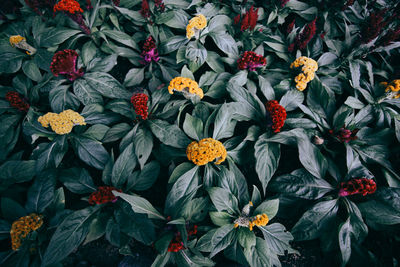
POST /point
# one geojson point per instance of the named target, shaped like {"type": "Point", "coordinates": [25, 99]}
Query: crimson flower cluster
{"type": "Point", "coordinates": [361, 186]}
{"type": "Point", "coordinates": [344, 135]}
{"type": "Point", "coordinates": [72, 9]}
{"type": "Point", "coordinates": [176, 243]}
{"type": "Point", "coordinates": [103, 195]}
{"type": "Point", "coordinates": [145, 11]}
{"type": "Point", "coordinates": [303, 38]}
{"type": "Point", "coordinates": [376, 24]}
{"type": "Point", "coordinates": [149, 51]}
{"type": "Point", "coordinates": [249, 19]}
{"type": "Point", "coordinates": [139, 101]}
{"type": "Point", "coordinates": [16, 101]}
{"type": "Point", "coordinates": [159, 4]}
{"type": "Point", "coordinates": [250, 60]}
{"type": "Point", "coordinates": [276, 115]}
{"type": "Point", "coordinates": [64, 62]}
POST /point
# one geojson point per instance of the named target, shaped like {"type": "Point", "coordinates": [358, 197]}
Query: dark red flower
{"type": "Point", "coordinates": [249, 20]}
{"type": "Point", "coordinates": [283, 3]}
{"type": "Point", "coordinates": [344, 135]}
{"type": "Point", "coordinates": [139, 101]}
{"type": "Point", "coordinates": [250, 60]}
{"type": "Point", "coordinates": [64, 63]}
{"type": "Point", "coordinates": [374, 26]}
{"type": "Point", "coordinates": [176, 243]}
{"type": "Point", "coordinates": [103, 195]}
{"type": "Point", "coordinates": [149, 51]}
{"type": "Point", "coordinates": [89, 4]}
{"type": "Point", "coordinates": [362, 186]}
{"type": "Point", "coordinates": [290, 26]}
{"type": "Point", "coordinates": [159, 4]}
{"type": "Point", "coordinates": [276, 115]}
{"type": "Point", "coordinates": [303, 38]}
{"type": "Point", "coordinates": [16, 101]}
{"type": "Point", "coordinates": [145, 11]}
{"type": "Point", "coordinates": [116, 2]}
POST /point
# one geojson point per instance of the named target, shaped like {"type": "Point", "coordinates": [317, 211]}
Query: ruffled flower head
{"type": "Point", "coordinates": [276, 115]}
{"type": "Point", "coordinates": [22, 227]}
{"type": "Point", "coordinates": [70, 6]}
{"type": "Point", "coordinates": [250, 60]}
{"type": "Point", "coordinates": [62, 123]}
{"type": "Point", "coordinates": [149, 51]}
{"type": "Point", "coordinates": [392, 89]}
{"type": "Point", "coordinates": [159, 4]}
{"type": "Point", "coordinates": [20, 42]}
{"type": "Point", "coordinates": [176, 243]}
{"type": "Point", "coordinates": [361, 186]}
{"type": "Point", "coordinates": [103, 195]}
{"type": "Point", "coordinates": [310, 66]}
{"type": "Point", "coordinates": [303, 38]}
{"type": "Point", "coordinates": [244, 220]}
{"type": "Point", "coordinates": [16, 101]}
{"type": "Point", "coordinates": [195, 25]}
{"type": "Point", "coordinates": [249, 20]}
{"type": "Point", "coordinates": [185, 85]}
{"type": "Point", "coordinates": [344, 135]}
{"type": "Point", "coordinates": [64, 62]}
{"type": "Point", "coordinates": [139, 102]}
{"type": "Point", "coordinates": [205, 151]}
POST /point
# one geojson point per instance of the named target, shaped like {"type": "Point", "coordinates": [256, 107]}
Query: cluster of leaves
{"type": "Point", "coordinates": [160, 194]}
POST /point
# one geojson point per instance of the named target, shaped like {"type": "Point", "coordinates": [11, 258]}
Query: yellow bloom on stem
{"type": "Point", "coordinates": [20, 42]}
{"type": "Point", "coordinates": [205, 151]}
{"type": "Point", "coordinates": [22, 227]}
{"type": "Point", "coordinates": [259, 220]}
{"type": "Point", "coordinates": [62, 123]}
{"type": "Point", "coordinates": [392, 90]}
{"type": "Point", "coordinates": [185, 85]}
{"type": "Point", "coordinates": [310, 66]}
{"type": "Point", "coordinates": [197, 23]}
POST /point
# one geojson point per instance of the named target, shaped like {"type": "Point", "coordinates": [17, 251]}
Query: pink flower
{"type": "Point", "coordinates": [64, 63]}
{"type": "Point", "coordinates": [149, 51]}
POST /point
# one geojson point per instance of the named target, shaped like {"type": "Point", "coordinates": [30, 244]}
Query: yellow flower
{"type": "Point", "coordinates": [259, 220]}
{"type": "Point", "coordinates": [392, 89]}
{"type": "Point", "coordinates": [20, 42]}
{"type": "Point", "coordinates": [62, 123]}
{"type": "Point", "coordinates": [197, 23]}
{"type": "Point", "coordinates": [22, 227]}
{"type": "Point", "coordinates": [185, 85]}
{"type": "Point", "coordinates": [205, 151]}
{"type": "Point", "coordinates": [310, 66]}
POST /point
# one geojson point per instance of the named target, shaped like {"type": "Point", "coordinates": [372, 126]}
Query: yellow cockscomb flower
{"type": "Point", "coordinates": [259, 220]}
{"type": "Point", "coordinates": [62, 123]}
{"type": "Point", "coordinates": [197, 23]}
{"type": "Point", "coordinates": [310, 66]}
{"type": "Point", "coordinates": [22, 227]}
{"type": "Point", "coordinates": [185, 85]}
{"type": "Point", "coordinates": [20, 42]}
{"type": "Point", "coordinates": [205, 151]}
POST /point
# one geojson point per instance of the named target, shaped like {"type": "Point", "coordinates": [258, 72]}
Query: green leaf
{"type": "Point", "coordinates": [61, 98]}
{"type": "Point", "coordinates": [223, 200]}
{"type": "Point", "coordinates": [147, 176]}
{"type": "Point", "coordinates": [173, 44]}
{"type": "Point", "coordinates": [269, 207]}
{"type": "Point", "coordinates": [204, 243]}
{"type": "Point", "coordinates": [196, 52]}
{"type": "Point", "coordinates": [17, 171]}
{"type": "Point", "coordinates": [11, 209]}
{"type": "Point", "coordinates": [169, 134]}
{"type": "Point", "coordinates": [224, 124]}
{"type": "Point", "coordinates": [68, 236]}
{"type": "Point", "coordinates": [143, 142]}
{"type": "Point", "coordinates": [266, 88]}
{"type": "Point", "coordinates": [247, 238]}
{"type": "Point", "coordinates": [316, 220]}
{"type": "Point", "coordinates": [258, 255]}
{"type": "Point", "coordinates": [52, 154]}
{"type": "Point", "coordinates": [55, 36]}
{"type": "Point", "coordinates": [277, 238]}
{"type": "Point", "coordinates": [193, 127]}
{"type": "Point", "coordinates": [122, 38]}
{"type": "Point", "coordinates": [292, 99]}
{"type": "Point", "coordinates": [31, 70]}
{"type": "Point", "coordinates": [345, 241]}
{"type": "Point", "coordinates": [106, 85]}
{"type": "Point", "coordinates": [85, 93]}
{"type": "Point", "coordinates": [134, 77]}
{"type": "Point", "coordinates": [77, 180]}
{"type": "Point", "coordinates": [123, 167]}
{"type": "Point", "coordinates": [301, 183]}
{"type": "Point", "coordinates": [226, 43]}
{"type": "Point", "coordinates": [10, 58]}
{"type": "Point", "coordinates": [220, 218]}
{"type": "Point", "coordinates": [355, 73]}
{"type": "Point", "coordinates": [41, 193]}
{"type": "Point", "coordinates": [267, 157]}
{"type": "Point", "coordinates": [311, 157]}
{"type": "Point", "coordinates": [222, 238]}
{"type": "Point", "coordinates": [140, 205]}
{"type": "Point", "coordinates": [90, 151]}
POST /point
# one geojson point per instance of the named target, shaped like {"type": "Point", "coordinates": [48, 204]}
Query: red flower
{"type": "Point", "coordinates": [303, 38]}
{"type": "Point", "coordinates": [103, 195]}
{"type": "Point", "coordinates": [160, 5]}
{"type": "Point", "coordinates": [276, 115]}
{"type": "Point", "coordinates": [250, 60]}
{"type": "Point", "coordinates": [145, 11]}
{"type": "Point", "coordinates": [283, 3]}
{"type": "Point", "coordinates": [64, 62]}
{"type": "Point", "coordinates": [16, 101]}
{"type": "Point", "coordinates": [149, 51]}
{"type": "Point", "coordinates": [176, 243]}
{"type": "Point", "coordinates": [116, 2]}
{"type": "Point", "coordinates": [249, 19]}
{"type": "Point", "coordinates": [362, 186]}
{"type": "Point", "coordinates": [290, 26]}
{"type": "Point", "coordinates": [344, 135]}
{"type": "Point", "coordinates": [374, 26]}
{"type": "Point", "coordinates": [139, 101]}
{"type": "Point", "coordinates": [70, 6]}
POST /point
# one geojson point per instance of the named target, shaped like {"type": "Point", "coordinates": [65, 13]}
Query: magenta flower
{"type": "Point", "coordinates": [149, 51]}
{"type": "Point", "coordinates": [64, 63]}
